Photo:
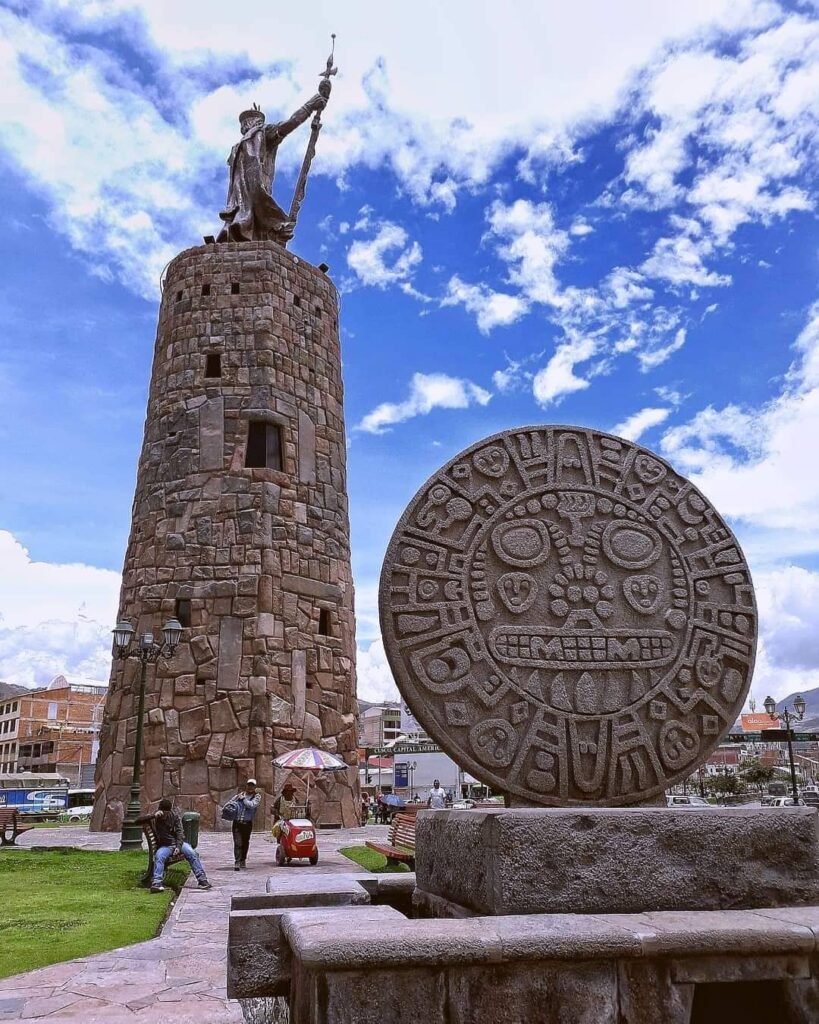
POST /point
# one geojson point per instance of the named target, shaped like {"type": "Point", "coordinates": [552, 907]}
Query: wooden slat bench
{"type": "Point", "coordinates": [400, 845]}
{"type": "Point", "coordinates": [10, 820]}
{"type": "Point", "coordinates": [153, 846]}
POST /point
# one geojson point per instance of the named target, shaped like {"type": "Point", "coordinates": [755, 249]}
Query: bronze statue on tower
{"type": "Point", "coordinates": [251, 214]}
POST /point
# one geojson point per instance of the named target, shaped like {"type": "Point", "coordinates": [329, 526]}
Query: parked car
{"type": "Point", "coordinates": [77, 815]}
{"type": "Point", "coordinates": [463, 805]}
{"type": "Point", "coordinates": [684, 800]}
{"type": "Point", "coordinates": [786, 801]}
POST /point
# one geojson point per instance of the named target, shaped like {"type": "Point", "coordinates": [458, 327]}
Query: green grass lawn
{"type": "Point", "coordinates": [61, 904]}
{"type": "Point", "coordinates": [370, 860]}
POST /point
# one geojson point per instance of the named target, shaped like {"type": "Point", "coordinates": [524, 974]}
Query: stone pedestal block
{"type": "Point", "coordinates": [615, 860]}
{"type": "Point", "coordinates": [336, 959]}
{"type": "Point", "coordinates": [240, 499]}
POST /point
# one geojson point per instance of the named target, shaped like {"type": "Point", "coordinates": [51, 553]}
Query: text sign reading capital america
{"type": "Point", "coordinates": [568, 617]}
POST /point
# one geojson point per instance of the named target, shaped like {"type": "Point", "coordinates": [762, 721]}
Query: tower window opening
{"type": "Point", "coordinates": [317, 311]}
{"type": "Point", "coordinates": [206, 289]}
{"type": "Point", "coordinates": [324, 622]}
{"type": "Point", "coordinates": [179, 296]}
{"type": "Point", "coordinates": [234, 288]}
{"type": "Point", "coordinates": [213, 365]}
{"type": "Point", "coordinates": [183, 612]}
{"type": "Point", "coordinates": [264, 445]}
{"type": "Point", "coordinates": [296, 300]}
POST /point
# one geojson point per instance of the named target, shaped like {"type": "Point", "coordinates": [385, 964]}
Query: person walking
{"type": "Point", "coordinates": [170, 839]}
{"type": "Point", "coordinates": [247, 802]}
{"type": "Point", "coordinates": [437, 797]}
{"type": "Point", "coordinates": [365, 808]}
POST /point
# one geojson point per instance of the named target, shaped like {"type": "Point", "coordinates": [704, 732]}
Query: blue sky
{"type": "Point", "coordinates": [602, 215]}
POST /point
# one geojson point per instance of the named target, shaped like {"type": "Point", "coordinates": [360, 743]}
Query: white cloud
{"type": "Point", "coordinates": [375, 678]}
{"type": "Point", "coordinates": [788, 652]}
{"type": "Point", "coordinates": [761, 465]}
{"type": "Point", "coordinates": [125, 157]}
{"type": "Point", "coordinates": [788, 600]}
{"type": "Point", "coordinates": [508, 378]}
{"type": "Point", "coordinates": [733, 129]}
{"type": "Point", "coordinates": [671, 395]}
{"type": "Point", "coordinates": [580, 227]}
{"type": "Point", "coordinates": [491, 309]}
{"type": "Point", "coordinates": [557, 378]}
{"type": "Point", "coordinates": [652, 357]}
{"type": "Point", "coordinates": [53, 618]}
{"type": "Point", "coordinates": [623, 287]}
{"type": "Point", "coordinates": [634, 426]}
{"type": "Point", "coordinates": [679, 260]}
{"type": "Point", "coordinates": [115, 172]}
{"type": "Point", "coordinates": [428, 391]}
{"type": "Point", "coordinates": [368, 259]}
{"type": "Point", "coordinates": [531, 245]}
{"type": "Point", "coordinates": [515, 374]}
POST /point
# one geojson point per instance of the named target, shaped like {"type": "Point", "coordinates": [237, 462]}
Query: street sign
{"type": "Point", "coordinates": [408, 748]}
{"type": "Point", "coordinates": [774, 735]}
{"type": "Point", "coordinates": [401, 775]}
{"type": "Point", "coordinates": [770, 736]}
{"type": "Point", "coordinates": [781, 736]}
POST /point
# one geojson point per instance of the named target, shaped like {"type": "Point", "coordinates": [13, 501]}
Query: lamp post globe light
{"type": "Point", "coordinates": [787, 716]}
{"type": "Point", "coordinates": [144, 647]}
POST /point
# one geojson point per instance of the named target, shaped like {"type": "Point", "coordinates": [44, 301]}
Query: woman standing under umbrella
{"type": "Point", "coordinates": [285, 807]}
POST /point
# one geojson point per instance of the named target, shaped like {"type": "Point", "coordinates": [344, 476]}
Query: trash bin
{"type": "Point", "coordinates": [190, 826]}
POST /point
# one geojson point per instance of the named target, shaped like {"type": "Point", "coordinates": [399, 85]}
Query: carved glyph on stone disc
{"type": "Point", "coordinates": [570, 619]}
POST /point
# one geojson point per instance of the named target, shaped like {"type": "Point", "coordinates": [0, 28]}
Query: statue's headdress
{"type": "Point", "coordinates": [254, 112]}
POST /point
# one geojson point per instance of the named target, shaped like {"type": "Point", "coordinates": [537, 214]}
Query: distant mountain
{"type": "Point", "coordinates": [11, 690]}
{"type": "Point", "coordinates": [364, 705]}
{"type": "Point", "coordinates": [810, 723]}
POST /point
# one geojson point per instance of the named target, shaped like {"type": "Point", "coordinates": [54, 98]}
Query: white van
{"type": "Point", "coordinates": [683, 800]}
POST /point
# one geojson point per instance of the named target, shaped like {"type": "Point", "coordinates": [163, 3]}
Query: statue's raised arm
{"type": "Point", "coordinates": [251, 213]}
{"type": "Point", "coordinates": [314, 105]}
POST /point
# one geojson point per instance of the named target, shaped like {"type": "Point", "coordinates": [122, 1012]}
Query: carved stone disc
{"type": "Point", "coordinates": [570, 619]}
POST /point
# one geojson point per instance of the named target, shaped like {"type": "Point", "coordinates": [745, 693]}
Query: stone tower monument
{"type": "Point", "coordinates": [240, 525]}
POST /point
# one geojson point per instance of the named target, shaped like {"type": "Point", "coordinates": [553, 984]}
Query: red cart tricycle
{"type": "Point", "coordinates": [296, 840]}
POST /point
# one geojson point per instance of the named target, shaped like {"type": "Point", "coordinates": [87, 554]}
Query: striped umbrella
{"type": "Point", "coordinates": [310, 759]}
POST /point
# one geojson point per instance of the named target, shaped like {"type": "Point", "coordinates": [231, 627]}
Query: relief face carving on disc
{"type": "Point", "coordinates": [569, 618]}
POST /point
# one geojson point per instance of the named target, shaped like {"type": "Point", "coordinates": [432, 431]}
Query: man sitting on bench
{"type": "Point", "coordinates": [170, 839]}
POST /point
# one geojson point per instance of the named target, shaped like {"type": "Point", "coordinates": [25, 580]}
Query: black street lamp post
{"type": "Point", "coordinates": [147, 650]}
{"type": "Point", "coordinates": [787, 717]}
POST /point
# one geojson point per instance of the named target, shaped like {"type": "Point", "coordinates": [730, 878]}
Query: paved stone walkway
{"type": "Point", "coordinates": [178, 977]}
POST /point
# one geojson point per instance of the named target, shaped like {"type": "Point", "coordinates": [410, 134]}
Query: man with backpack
{"type": "Point", "coordinates": [246, 802]}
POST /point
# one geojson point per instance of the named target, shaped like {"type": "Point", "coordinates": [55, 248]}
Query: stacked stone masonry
{"type": "Point", "coordinates": [262, 555]}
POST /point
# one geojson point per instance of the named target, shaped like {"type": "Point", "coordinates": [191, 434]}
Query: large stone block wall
{"type": "Point", "coordinates": [258, 552]}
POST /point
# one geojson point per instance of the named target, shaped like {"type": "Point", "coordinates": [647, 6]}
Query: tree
{"type": "Point", "coordinates": [723, 786]}
{"type": "Point", "coordinates": [758, 774]}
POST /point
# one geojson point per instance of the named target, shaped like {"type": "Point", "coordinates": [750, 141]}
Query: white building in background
{"type": "Point", "coordinates": [9, 732]}
{"type": "Point", "coordinates": [391, 728]}
{"type": "Point", "coordinates": [379, 725]}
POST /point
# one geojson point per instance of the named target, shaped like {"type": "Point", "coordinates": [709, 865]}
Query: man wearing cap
{"type": "Point", "coordinates": [247, 801]}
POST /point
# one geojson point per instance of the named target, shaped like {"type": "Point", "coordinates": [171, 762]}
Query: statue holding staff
{"type": "Point", "coordinates": [251, 213]}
